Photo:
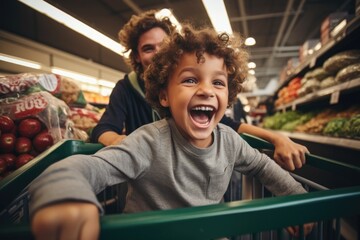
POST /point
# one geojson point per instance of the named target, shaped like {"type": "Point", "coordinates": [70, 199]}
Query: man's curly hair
{"type": "Point", "coordinates": [191, 40]}
{"type": "Point", "coordinates": [137, 25]}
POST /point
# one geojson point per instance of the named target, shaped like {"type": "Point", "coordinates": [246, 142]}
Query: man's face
{"type": "Point", "coordinates": [149, 45]}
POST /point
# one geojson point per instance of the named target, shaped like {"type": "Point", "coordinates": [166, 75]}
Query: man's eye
{"type": "Point", "coordinates": [148, 50]}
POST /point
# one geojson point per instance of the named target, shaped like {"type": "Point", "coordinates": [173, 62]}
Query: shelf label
{"type": "Point", "coordinates": [293, 106]}
{"type": "Point", "coordinates": [334, 98]}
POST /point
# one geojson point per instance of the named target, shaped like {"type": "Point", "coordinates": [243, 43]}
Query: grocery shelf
{"type": "Point", "coordinates": [333, 141]}
{"type": "Point", "coordinates": [326, 92]}
{"type": "Point", "coordinates": [348, 38]}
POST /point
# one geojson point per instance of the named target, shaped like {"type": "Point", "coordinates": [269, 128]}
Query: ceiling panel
{"type": "Point", "coordinates": [279, 26]}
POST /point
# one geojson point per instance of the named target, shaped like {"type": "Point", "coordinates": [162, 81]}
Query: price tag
{"type": "Point", "coordinates": [293, 106]}
{"type": "Point", "coordinates": [312, 62]}
{"type": "Point", "coordinates": [334, 99]}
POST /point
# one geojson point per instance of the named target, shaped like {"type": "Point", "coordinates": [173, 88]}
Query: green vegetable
{"type": "Point", "coordinates": [335, 127]}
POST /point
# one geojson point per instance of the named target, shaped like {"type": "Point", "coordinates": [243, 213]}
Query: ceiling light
{"type": "Point", "coordinates": [106, 83]}
{"type": "Point", "coordinates": [105, 91]}
{"type": "Point", "coordinates": [74, 75]}
{"type": "Point", "coordinates": [250, 41]}
{"type": "Point", "coordinates": [74, 24]}
{"type": "Point", "coordinates": [251, 71]}
{"type": "Point", "coordinates": [251, 65]}
{"type": "Point", "coordinates": [19, 61]}
{"type": "Point", "coordinates": [218, 16]}
{"type": "Point", "coordinates": [90, 88]}
{"type": "Point", "coordinates": [165, 12]}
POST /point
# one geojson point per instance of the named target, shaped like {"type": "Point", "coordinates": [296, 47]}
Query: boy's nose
{"type": "Point", "coordinates": [206, 89]}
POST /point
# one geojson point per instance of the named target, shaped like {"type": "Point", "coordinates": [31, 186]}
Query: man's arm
{"type": "Point", "coordinates": [110, 138]}
{"type": "Point", "coordinates": [288, 154]}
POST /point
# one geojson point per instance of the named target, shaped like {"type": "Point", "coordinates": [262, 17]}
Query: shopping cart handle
{"type": "Point", "coordinates": [311, 159]}
{"type": "Point", "coordinates": [217, 220]}
{"type": "Point", "coordinates": [86, 148]}
{"type": "Point", "coordinates": [257, 142]}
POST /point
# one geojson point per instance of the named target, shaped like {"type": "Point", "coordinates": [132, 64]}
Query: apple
{"type": "Point", "coordinates": [23, 145]}
{"type": "Point", "coordinates": [6, 124]}
{"type": "Point", "coordinates": [22, 159]}
{"type": "Point", "coordinates": [14, 131]}
{"type": "Point", "coordinates": [10, 160]}
{"type": "Point", "coordinates": [42, 141]}
{"type": "Point", "coordinates": [29, 127]}
{"type": "Point", "coordinates": [3, 166]}
{"type": "Point", "coordinates": [7, 142]}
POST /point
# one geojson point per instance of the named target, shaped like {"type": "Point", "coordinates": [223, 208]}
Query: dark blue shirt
{"type": "Point", "coordinates": [126, 109]}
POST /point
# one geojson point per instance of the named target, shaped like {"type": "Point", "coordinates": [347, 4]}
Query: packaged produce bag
{"type": "Point", "coordinates": [29, 125]}
{"type": "Point", "coordinates": [53, 113]}
{"type": "Point", "coordinates": [25, 83]}
{"type": "Point", "coordinates": [61, 87]}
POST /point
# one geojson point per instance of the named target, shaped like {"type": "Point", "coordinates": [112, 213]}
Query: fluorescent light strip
{"type": "Point", "coordinates": [87, 31]}
{"type": "Point", "coordinates": [83, 78]}
{"type": "Point", "coordinates": [218, 15]}
{"type": "Point", "coordinates": [105, 91]}
{"type": "Point", "coordinates": [106, 83]}
{"type": "Point", "coordinates": [19, 61]}
{"type": "Point", "coordinates": [77, 76]}
{"type": "Point", "coordinates": [76, 25]}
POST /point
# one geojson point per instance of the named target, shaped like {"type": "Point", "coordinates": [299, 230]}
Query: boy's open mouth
{"type": "Point", "coordinates": [202, 114]}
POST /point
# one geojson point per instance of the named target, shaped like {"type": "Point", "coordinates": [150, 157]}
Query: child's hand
{"type": "Point", "coordinates": [75, 220]}
{"type": "Point", "coordinates": [294, 231]}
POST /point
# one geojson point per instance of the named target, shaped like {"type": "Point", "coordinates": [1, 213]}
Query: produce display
{"type": "Point", "coordinates": [279, 119]}
{"type": "Point", "coordinates": [341, 67]}
{"type": "Point", "coordinates": [21, 141]}
{"type": "Point", "coordinates": [334, 122]}
{"type": "Point", "coordinates": [289, 93]}
{"type": "Point", "coordinates": [36, 111]}
{"type": "Point", "coordinates": [348, 73]}
{"type": "Point", "coordinates": [341, 60]}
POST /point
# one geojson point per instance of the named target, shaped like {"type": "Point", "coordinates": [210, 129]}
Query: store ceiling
{"type": "Point", "coordinates": [279, 26]}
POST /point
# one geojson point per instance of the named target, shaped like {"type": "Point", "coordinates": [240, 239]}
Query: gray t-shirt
{"type": "Point", "coordinates": [163, 171]}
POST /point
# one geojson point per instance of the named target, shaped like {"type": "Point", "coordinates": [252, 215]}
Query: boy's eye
{"type": "Point", "coordinates": [219, 83]}
{"type": "Point", "coordinates": [190, 80]}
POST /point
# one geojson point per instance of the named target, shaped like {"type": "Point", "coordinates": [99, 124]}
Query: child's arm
{"type": "Point", "coordinates": [288, 154]}
{"type": "Point", "coordinates": [71, 220]}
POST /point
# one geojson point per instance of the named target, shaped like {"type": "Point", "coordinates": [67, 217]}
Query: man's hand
{"type": "Point", "coordinates": [110, 138]}
{"type": "Point", "coordinates": [67, 221]}
{"type": "Point", "coordinates": [288, 154]}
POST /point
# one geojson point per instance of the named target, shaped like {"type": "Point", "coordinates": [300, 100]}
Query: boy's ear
{"type": "Point", "coordinates": [163, 98]}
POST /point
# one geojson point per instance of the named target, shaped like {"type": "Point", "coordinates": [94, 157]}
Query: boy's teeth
{"type": "Point", "coordinates": [203, 108]}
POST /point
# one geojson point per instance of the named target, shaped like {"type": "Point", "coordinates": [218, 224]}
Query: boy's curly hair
{"type": "Point", "coordinates": [205, 40]}
{"type": "Point", "coordinates": [137, 25]}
